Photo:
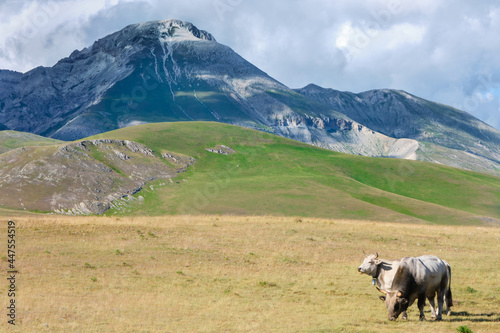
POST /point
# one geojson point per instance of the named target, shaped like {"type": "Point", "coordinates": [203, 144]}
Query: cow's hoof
{"type": "Point", "coordinates": [422, 318]}
{"type": "Point", "coordinates": [404, 318]}
{"type": "Point", "coordinates": [439, 318]}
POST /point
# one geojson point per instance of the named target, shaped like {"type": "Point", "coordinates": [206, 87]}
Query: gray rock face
{"type": "Point", "coordinates": [171, 71]}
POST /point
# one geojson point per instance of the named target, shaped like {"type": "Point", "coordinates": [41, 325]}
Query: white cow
{"type": "Point", "coordinates": [382, 272]}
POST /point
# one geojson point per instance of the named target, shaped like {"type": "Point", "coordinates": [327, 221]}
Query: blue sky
{"type": "Point", "coordinates": [446, 51]}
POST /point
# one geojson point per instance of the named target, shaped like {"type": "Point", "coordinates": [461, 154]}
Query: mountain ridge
{"type": "Point", "coordinates": [172, 71]}
{"type": "Point", "coordinates": [422, 120]}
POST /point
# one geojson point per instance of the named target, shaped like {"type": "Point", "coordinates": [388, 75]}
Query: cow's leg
{"type": "Point", "coordinates": [440, 299]}
{"type": "Point", "coordinates": [421, 304]}
{"type": "Point", "coordinates": [431, 303]}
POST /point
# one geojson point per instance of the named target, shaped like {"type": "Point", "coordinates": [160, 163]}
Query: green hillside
{"type": "Point", "coordinates": [11, 140]}
{"type": "Point", "coordinates": [273, 175]}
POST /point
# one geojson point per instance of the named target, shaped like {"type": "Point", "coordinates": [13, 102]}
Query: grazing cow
{"type": "Point", "coordinates": [382, 272]}
{"type": "Point", "coordinates": [419, 278]}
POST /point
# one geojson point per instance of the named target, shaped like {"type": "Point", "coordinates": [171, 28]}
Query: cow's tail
{"type": "Point", "coordinates": [449, 299]}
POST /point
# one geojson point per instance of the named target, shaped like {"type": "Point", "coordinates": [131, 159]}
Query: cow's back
{"type": "Point", "coordinates": [428, 271]}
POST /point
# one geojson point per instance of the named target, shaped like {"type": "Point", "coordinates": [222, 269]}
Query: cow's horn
{"type": "Point", "coordinates": [376, 255]}
{"type": "Point", "coordinates": [399, 294]}
{"type": "Point", "coordinates": [365, 253]}
{"type": "Point", "coordinates": [382, 291]}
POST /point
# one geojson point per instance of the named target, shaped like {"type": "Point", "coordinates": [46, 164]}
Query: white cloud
{"type": "Point", "coordinates": [356, 41]}
{"type": "Point", "coordinates": [401, 35]}
{"type": "Point", "coordinates": [42, 32]}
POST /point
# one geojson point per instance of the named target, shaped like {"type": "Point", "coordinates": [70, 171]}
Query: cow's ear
{"type": "Point", "coordinates": [382, 298]}
{"type": "Point", "coordinates": [404, 301]}
{"type": "Point", "coordinates": [378, 262]}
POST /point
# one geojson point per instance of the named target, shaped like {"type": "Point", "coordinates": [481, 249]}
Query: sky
{"type": "Point", "coordinates": [442, 50]}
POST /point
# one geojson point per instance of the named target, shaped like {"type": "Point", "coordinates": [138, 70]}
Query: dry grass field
{"type": "Point", "coordinates": [235, 274]}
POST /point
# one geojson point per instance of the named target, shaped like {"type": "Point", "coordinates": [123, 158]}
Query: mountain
{"type": "Point", "coordinates": [171, 71]}
{"type": "Point", "coordinates": [213, 168]}
{"type": "Point", "coordinates": [441, 131]}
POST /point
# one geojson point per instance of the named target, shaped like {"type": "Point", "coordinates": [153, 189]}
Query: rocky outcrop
{"type": "Point", "coordinates": [180, 161]}
{"type": "Point", "coordinates": [221, 149]}
{"type": "Point", "coordinates": [344, 135]}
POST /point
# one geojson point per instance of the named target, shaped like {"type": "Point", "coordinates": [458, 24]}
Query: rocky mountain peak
{"type": "Point", "coordinates": [173, 29]}
{"type": "Point", "coordinates": [167, 30]}
{"type": "Point", "coordinates": [135, 37]}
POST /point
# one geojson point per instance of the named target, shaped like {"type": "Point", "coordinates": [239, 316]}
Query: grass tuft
{"type": "Point", "coordinates": [464, 329]}
{"type": "Point", "coordinates": [471, 290]}
{"type": "Point", "coordinates": [87, 265]}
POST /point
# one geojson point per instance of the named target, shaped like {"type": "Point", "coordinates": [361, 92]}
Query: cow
{"type": "Point", "coordinates": [419, 278]}
{"type": "Point", "coordinates": [382, 272]}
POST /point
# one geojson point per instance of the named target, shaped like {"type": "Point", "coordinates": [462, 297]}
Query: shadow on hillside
{"type": "Point", "coordinates": [475, 317]}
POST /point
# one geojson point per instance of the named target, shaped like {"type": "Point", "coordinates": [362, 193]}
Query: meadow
{"type": "Point", "coordinates": [267, 175]}
{"type": "Point", "coordinates": [235, 274]}
{"type": "Point", "coordinates": [271, 175]}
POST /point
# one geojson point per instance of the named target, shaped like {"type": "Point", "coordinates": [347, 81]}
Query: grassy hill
{"type": "Point", "coordinates": [11, 140]}
{"type": "Point", "coordinates": [273, 175]}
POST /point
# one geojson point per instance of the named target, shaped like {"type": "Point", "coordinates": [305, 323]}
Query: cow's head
{"type": "Point", "coordinates": [394, 302]}
{"type": "Point", "coordinates": [370, 265]}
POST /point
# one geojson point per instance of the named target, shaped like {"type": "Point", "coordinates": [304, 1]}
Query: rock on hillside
{"type": "Point", "coordinates": [83, 177]}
